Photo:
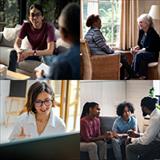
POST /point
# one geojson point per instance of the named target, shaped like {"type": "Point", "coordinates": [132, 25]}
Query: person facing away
{"type": "Point", "coordinates": [67, 65]}
{"type": "Point", "coordinates": [41, 36]}
{"type": "Point", "coordinates": [91, 139]}
{"type": "Point", "coordinates": [40, 119]}
{"type": "Point", "coordinates": [148, 46]}
{"type": "Point", "coordinates": [146, 146]}
{"type": "Point", "coordinates": [98, 46]}
{"type": "Point", "coordinates": [124, 122]}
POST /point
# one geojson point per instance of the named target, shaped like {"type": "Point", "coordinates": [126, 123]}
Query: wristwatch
{"type": "Point", "coordinates": [35, 53]}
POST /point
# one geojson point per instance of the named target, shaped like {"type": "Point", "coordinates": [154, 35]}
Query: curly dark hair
{"type": "Point", "coordinates": [121, 106]}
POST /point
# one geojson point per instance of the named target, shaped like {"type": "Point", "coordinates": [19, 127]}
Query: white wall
{"type": "Point", "coordinates": [106, 93]}
{"type": "Point", "coordinates": [135, 91]}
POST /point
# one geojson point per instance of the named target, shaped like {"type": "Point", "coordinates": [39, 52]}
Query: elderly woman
{"type": "Point", "coordinates": [148, 46]}
{"type": "Point", "coordinates": [97, 43]}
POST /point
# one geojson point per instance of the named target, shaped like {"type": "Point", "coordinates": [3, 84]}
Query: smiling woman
{"type": "Point", "coordinates": [40, 119]}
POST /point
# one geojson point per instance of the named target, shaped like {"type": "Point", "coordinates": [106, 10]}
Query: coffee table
{"type": "Point", "coordinates": [16, 76]}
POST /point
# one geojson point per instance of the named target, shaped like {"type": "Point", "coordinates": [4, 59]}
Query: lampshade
{"type": "Point", "coordinates": [155, 11]}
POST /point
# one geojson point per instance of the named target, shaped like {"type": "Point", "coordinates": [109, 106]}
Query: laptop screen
{"type": "Point", "coordinates": [61, 147]}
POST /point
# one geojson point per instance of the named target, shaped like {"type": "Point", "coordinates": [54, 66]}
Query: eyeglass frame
{"type": "Point", "coordinates": [43, 102]}
{"type": "Point", "coordinates": [38, 14]}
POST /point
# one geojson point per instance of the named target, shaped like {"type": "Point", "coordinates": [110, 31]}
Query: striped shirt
{"type": "Point", "coordinates": [97, 42]}
{"type": "Point", "coordinates": [89, 128]}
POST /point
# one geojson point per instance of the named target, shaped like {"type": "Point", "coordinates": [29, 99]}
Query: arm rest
{"type": "Point", "coordinates": [106, 66]}
{"type": "Point", "coordinates": [1, 35]}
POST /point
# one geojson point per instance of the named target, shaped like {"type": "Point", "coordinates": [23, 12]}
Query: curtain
{"type": "Point", "coordinates": [129, 26]}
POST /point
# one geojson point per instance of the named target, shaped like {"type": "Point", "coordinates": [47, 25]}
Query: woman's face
{"type": "Point", "coordinates": [43, 103]}
{"type": "Point", "coordinates": [143, 25]}
{"type": "Point", "coordinates": [95, 111]}
{"type": "Point", "coordinates": [126, 113]}
{"type": "Point", "coordinates": [97, 24]}
{"type": "Point", "coordinates": [36, 18]}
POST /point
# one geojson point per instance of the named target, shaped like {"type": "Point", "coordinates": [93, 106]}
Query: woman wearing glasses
{"type": "Point", "coordinates": [39, 119]}
{"type": "Point", "coordinates": [41, 36]}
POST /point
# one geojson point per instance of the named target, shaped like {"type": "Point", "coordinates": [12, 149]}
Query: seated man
{"type": "Point", "coordinates": [144, 146]}
{"type": "Point", "coordinates": [122, 124]}
{"type": "Point", "coordinates": [41, 37]}
{"type": "Point", "coordinates": [91, 139]}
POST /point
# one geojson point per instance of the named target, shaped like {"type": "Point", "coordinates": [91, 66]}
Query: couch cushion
{"type": "Point", "coordinates": [106, 123]}
{"type": "Point", "coordinates": [1, 34]}
{"type": "Point", "coordinates": [9, 36]}
{"type": "Point", "coordinates": [4, 54]}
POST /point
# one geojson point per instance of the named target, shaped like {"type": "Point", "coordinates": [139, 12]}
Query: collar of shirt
{"type": "Point", "coordinates": [154, 112]}
{"type": "Point", "coordinates": [125, 121]}
{"type": "Point", "coordinates": [51, 121]}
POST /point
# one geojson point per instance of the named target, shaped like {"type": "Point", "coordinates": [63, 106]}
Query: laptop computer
{"type": "Point", "coordinates": [61, 147]}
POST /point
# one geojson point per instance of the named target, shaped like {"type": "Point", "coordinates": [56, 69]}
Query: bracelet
{"type": "Point", "coordinates": [35, 53]}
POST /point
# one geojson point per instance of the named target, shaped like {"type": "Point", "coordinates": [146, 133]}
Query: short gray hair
{"type": "Point", "coordinates": [146, 18]}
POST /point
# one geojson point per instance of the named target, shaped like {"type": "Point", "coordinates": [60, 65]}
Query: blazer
{"type": "Point", "coordinates": [151, 43]}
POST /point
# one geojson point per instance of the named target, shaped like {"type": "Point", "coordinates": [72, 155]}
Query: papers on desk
{"type": "Point", "coordinates": [43, 67]}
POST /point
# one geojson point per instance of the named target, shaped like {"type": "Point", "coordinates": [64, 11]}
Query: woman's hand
{"type": "Point", "coordinates": [135, 49]}
{"type": "Point", "coordinates": [22, 134]}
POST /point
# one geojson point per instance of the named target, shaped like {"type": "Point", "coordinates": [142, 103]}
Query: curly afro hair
{"type": "Point", "coordinates": [121, 107]}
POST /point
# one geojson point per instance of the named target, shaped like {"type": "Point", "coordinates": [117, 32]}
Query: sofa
{"type": "Point", "coordinates": [7, 38]}
{"type": "Point", "coordinates": [106, 125]}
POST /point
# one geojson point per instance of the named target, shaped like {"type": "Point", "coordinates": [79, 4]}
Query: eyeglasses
{"type": "Point", "coordinates": [39, 103]}
{"type": "Point", "coordinates": [35, 14]}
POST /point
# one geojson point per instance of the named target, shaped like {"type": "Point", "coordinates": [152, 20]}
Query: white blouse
{"type": "Point", "coordinates": [54, 126]}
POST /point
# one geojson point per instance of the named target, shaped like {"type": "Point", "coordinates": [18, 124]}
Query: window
{"type": "Point", "coordinates": [109, 11]}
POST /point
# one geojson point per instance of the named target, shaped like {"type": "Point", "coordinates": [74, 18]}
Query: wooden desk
{"type": "Point", "coordinates": [16, 76]}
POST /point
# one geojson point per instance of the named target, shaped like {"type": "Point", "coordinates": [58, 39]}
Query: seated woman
{"type": "Point", "coordinates": [148, 46]}
{"type": "Point", "coordinates": [121, 125]}
{"type": "Point", "coordinates": [39, 119]}
{"type": "Point", "coordinates": [97, 43]}
{"type": "Point", "coordinates": [91, 140]}
{"type": "Point", "coordinates": [41, 37]}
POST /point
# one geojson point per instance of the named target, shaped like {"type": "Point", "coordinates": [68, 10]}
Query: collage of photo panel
{"type": "Point", "coordinates": [79, 79]}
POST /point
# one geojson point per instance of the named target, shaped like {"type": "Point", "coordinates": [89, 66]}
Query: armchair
{"type": "Point", "coordinates": [99, 66]}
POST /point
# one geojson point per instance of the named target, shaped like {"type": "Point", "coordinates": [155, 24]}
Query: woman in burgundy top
{"type": "Point", "coordinates": [40, 35]}
{"type": "Point", "coordinates": [90, 134]}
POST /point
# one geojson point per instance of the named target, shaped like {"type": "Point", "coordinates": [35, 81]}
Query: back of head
{"type": "Point", "coordinates": [71, 20]}
{"type": "Point", "coordinates": [149, 103]}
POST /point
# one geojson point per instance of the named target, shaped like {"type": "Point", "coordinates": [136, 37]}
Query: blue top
{"type": "Point", "coordinates": [121, 126]}
{"type": "Point", "coordinates": [67, 65]}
